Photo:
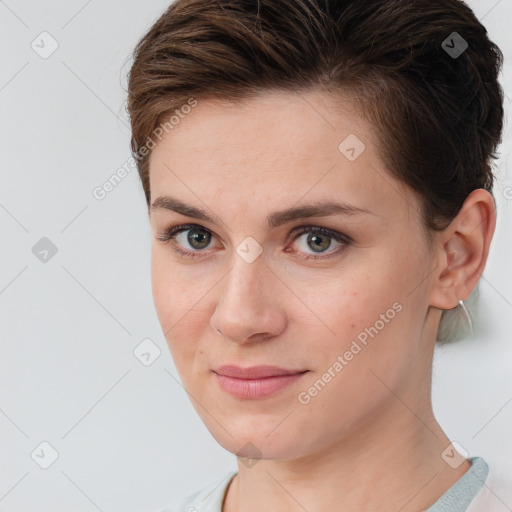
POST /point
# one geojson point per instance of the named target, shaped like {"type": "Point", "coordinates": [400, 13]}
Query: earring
{"type": "Point", "coordinates": [468, 315]}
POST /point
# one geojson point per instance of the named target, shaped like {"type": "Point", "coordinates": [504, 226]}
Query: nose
{"type": "Point", "coordinates": [248, 307]}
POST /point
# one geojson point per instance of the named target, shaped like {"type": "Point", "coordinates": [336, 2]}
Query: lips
{"type": "Point", "coordinates": [255, 372]}
{"type": "Point", "coordinates": [255, 382]}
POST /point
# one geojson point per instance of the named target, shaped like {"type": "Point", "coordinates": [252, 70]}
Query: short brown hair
{"type": "Point", "coordinates": [438, 116]}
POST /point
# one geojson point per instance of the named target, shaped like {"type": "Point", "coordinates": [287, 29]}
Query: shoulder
{"type": "Point", "coordinates": [496, 493]}
{"type": "Point", "coordinates": [207, 499]}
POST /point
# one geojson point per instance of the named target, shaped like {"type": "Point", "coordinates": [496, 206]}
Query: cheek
{"type": "Point", "coordinates": [171, 291]}
{"type": "Point", "coordinates": [164, 294]}
{"type": "Point", "coordinates": [365, 306]}
{"type": "Point", "coordinates": [180, 312]}
{"type": "Point", "coordinates": [343, 302]}
{"type": "Point", "coordinates": [170, 300]}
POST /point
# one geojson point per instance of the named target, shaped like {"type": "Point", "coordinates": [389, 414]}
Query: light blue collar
{"type": "Point", "coordinates": [460, 495]}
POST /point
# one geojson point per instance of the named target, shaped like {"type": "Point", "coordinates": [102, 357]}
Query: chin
{"type": "Point", "coordinates": [258, 445]}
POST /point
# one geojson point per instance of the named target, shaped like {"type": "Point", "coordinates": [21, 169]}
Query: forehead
{"type": "Point", "coordinates": [281, 146]}
{"type": "Point", "coordinates": [281, 125]}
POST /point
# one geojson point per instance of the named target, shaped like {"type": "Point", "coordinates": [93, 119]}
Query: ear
{"type": "Point", "coordinates": [462, 249]}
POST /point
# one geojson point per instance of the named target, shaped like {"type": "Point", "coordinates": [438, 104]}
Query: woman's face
{"type": "Point", "coordinates": [260, 286]}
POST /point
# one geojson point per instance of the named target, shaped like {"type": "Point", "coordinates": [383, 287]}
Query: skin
{"type": "Point", "coordinates": [369, 440]}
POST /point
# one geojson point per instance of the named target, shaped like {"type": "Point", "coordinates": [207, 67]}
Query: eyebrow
{"type": "Point", "coordinates": [274, 219]}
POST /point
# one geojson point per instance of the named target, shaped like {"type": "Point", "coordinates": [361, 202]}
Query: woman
{"type": "Point", "coordinates": [319, 187]}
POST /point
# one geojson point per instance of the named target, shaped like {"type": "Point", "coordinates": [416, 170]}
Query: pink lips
{"type": "Point", "coordinates": [256, 381]}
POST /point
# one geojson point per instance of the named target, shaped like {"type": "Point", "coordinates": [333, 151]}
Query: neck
{"type": "Point", "coordinates": [392, 463]}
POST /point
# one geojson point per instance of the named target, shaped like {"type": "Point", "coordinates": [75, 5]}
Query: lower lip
{"type": "Point", "coordinates": [256, 388]}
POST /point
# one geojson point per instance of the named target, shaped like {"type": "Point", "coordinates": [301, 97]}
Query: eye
{"type": "Point", "coordinates": [319, 240]}
{"type": "Point", "coordinates": [198, 238]}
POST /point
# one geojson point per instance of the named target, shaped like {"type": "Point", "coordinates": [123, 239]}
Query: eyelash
{"type": "Point", "coordinates": [169, 235]}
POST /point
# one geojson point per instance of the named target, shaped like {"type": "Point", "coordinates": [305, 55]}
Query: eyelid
{"type": "Point", "coordinates": [169, 236]}
{"type": "Point", "coordinates": [170, 233]}
{"type": "Point", "coordinates": [332, 233]}
{"type": "Point", "coordinates": [341, 238]}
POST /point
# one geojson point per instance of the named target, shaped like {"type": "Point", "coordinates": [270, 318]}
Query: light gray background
{"type": "Point", "coordinates": [126, 434]}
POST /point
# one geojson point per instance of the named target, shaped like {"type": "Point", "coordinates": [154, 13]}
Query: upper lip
{"type": "Point", "coordinates": [254, 372]}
